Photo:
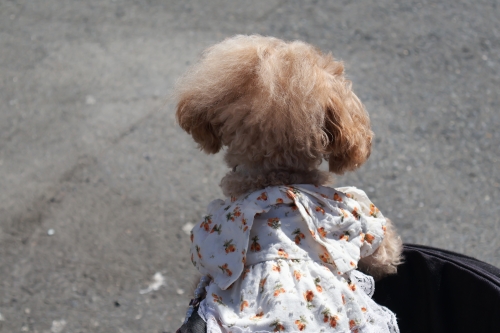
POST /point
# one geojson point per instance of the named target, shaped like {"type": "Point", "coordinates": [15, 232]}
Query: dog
{"type": "Point", "coordinates": [284, 251]}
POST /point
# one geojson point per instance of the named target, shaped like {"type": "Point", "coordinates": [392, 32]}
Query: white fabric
{"type": "Point", "coordinates": [283, 259]}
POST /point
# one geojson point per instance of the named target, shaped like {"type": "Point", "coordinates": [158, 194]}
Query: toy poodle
{"type": "Point", "coordinates": [284, 252]}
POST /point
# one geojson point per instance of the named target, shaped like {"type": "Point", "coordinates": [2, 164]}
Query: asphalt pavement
{"type": "Point", "coordinates": [98, 185]}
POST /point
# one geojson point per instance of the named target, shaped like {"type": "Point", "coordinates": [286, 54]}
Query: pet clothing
{"type": "Point", "coordinates": [283, 259]}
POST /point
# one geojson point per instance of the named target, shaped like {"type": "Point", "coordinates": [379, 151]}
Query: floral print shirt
{"type": "Point", "coordinates": [283, 259]}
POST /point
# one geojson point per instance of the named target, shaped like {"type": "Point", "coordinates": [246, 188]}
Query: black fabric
{"type": "Point", "coordinates": [195, 324]}
{"type": "Point", "coordinates": [437, 291]}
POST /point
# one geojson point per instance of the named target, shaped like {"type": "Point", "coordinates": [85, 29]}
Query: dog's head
{"type": "Point", "coordinates": [274, 105]}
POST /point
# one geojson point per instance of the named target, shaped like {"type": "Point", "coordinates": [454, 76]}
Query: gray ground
{"type": "Point", "coordinates": [90, 151]}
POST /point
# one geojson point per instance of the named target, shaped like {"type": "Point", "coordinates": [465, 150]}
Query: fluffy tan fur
{"type": "Point", "coordinates": [278, 108]}
{"type": "Point", "coordinates": [387, 256]}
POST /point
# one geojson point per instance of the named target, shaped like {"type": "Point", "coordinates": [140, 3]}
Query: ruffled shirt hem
{"type": "Point", "coordinates": [379, 318]}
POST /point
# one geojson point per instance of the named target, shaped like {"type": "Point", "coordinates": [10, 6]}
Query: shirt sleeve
{"type": "Point", "coordinates": [220, 240]}
{"type": "Point", "coordinates": [373, 223]}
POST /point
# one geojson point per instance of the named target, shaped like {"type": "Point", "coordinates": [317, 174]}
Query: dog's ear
{"type": "Point", "coordinates": [209, 91]}
{"type": "Point", "coordinates": [195, 121]}
{"type": "Point", "coordinates": [347, 127]}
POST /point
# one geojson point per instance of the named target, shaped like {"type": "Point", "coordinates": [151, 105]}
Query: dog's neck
{"type": "Point", "coordinates": [241, 180]}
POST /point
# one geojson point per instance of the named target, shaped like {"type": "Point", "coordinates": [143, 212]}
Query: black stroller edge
{"type": "Point", "coordinates": [480, 268]}
{"type": "Point", "coordinates": [195, 324]}
{"type": "Point", "coordinates": [435, 291]}
{"type": "Point", "coordinates": [439, 291]}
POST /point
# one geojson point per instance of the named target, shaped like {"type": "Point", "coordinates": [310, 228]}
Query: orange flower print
{"type": "Point", "coordinates": [322, 231]}
{"type": "Point", "coordinates": [344, 236]}
{"type": "Point", "coordinates": [262, 196]}
{"type": "Point", "coordinates": [349, 195]}
{"type": "Point", "coordinates": [262, 282]}
{"type": "Point", "coordinates": [384, 228]}
{"type": "Point", "coordinates": [277, 267]}
{"type": "Point", "coordinates": [229, 246]}
{"type": "Point", "coordinates": [257, 316]}
{"type": "Point", "coordinates": [278, 289]}
{"type": "Point", "coordinates": [320, 209]}
{"type": "Point", "coordinates": [216, 228]}
{"type": "Point", "coordinates": [294, 207]}
{"type": "Point", "coordinates": [328, 318]}
{"type": "Point", "coordinates": [255, 247]}
{"type": "Point", "coordinates": [352, 286]}
{"type": "Point", "coordinates": [309, 296]}
{"type": "Point", "coordinates": [363, 309]}
{"type": "Point", "coordinates": [319, 288]}
{"type": "Point", "coordinates": [355, 213]}
{"type": "Point", "coordinates": [207, 220]}
{"type": "Point", "coordinates": [245, 272]}
{"type": "Point", "coordinates": [312, 234]}
{"type": "Point", "coordinates": [297, 275]}
{"type": "Point", "coordinates": [217, 299]}
{"type": "Point", "coordinates": [369, 238]}
{"type": "Point", "coordinates": [337, 197]}
{"type": "Point", "coordinates": [233, 198]}
{"type": "Point", "coordinates": [298, 236]}
{"type": "Point", "coordinates": [226, 270]}
{"type": "Point", "coordinates": [198, 251]}
{"type": "Point", "coordinates": [244, 221]}
{"type": "Point", "coordinates": [243, 305]}
{"type": "Point", "coordinates": [282, 253]}
{"type": "Point", "coordinates": [274, 222]}
{"type": "Point", "coordinates": [326, 315]}
{"type": "Point", "coordinates": [374, 210]}
{"type": "Point", "coordinates": [277, 325]}
{"type": "Point", "coordinates": [333, 321]}
{"type": "Point", "coordinates": [352, 263]}
{"type": "Point", "coordinates": [352, 323]}
{"type": "Point", "coordinates": [279, 201]}
{"type": "Point", "coordinates": [325, 257]}
{"type": "Point", "coordinates": [343, 299]}
{"type": "Point", "coordinates": [290, 194]}
{"type": "Point", "coordinates": [301, 323]}
{"type": "Point", "coordinates": [362, 237]}
{"type": "Point", "coordinates": [237, 211]}
{"type": "Point", "coordinates": [244, 257]}
{"type": "Point", "coordinates": [245, 228]}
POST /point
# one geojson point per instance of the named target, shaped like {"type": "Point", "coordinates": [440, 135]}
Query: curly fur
{"type": "Point", "coordinates": [279, 108]}
{"type": "Point", "coordinates": [242, 181]}
{"type": "Point", "coordinates": [387, 256]}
